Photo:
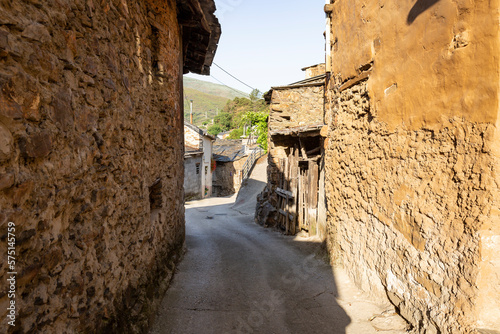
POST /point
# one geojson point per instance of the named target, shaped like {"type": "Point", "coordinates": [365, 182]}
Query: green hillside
{"type": "Point", "coordinates": [213, 88]}
{"type": "Point", "coordinates": [207, 99]}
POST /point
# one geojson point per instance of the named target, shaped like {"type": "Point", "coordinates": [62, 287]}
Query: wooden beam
{"type": "Point", "coordinates": [314, 150]}
{"type": "Point", "coordinates": [363, 76]}
{"type": "Point", "coordinates": [283, 213]}
{"type": "Point", "coordinates": [313, 84]}
{"type": "Point", "coordinates": [315, 158]}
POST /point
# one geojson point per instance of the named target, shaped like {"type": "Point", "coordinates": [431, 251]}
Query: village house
{"type": "Point", "coordinates": [412, 157]}
{"type": "Point", "coordinates": [230, 157]}
{"type": "Point", "coordinates": [293, 199]}
{"type": "Point", "coordinates": [198, 162]}
{"type": "Point", "coordinates": [91, 153]}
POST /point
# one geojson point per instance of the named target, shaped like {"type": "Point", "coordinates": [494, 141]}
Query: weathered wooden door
{"type": "Point", "coordinates": [298, 194]}
{"type": "Point", "coordinates": [287, 193]}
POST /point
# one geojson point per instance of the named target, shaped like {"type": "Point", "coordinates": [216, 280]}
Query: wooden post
{"type": "Point", "coordinates": [280, 185]}
{"type": "Point", "coordinates": [313, 196]}
{"type": "Point", "coordinates": [302, 190]}
{"type": "Point", "coordinates": [294, 188]}
{"type": "Point", "coordinates": [302, 148]}
{"type": "Point", "coordinates": [287, 188]}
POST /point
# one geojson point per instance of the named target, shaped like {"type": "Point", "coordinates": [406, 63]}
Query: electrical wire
{"type": "Point", "coordinates": [233, 76]}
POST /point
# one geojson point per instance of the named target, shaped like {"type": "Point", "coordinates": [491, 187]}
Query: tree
{"type": "Point", "coordinates": [258, 124]}
{"type": "Point", "coordinates": [255, 95]}
{"type": "Point", "coordinates": [214, 130]}
{"type": "Point", "coordinates": [236, 133]}
{"type": "Point", "coordinates": [224, 120]}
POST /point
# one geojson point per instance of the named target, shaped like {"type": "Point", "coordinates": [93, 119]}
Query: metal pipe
{"type": "Point", "coordinates": [328, 42]}
{"type": "Point", "coordinates": [191, 112]}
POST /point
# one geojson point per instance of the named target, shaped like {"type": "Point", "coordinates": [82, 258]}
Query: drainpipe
{"type": "Point", "coordinates": [191, 112]}
{"type": "Point", "coordinates": [328, 36]}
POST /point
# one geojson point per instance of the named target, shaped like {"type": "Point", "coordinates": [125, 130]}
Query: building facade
{"type": "Point", "coordinates": [230, 157]}
{"type": "Point", "coordinates": [412, 157]}
{"type": "Point", "coordinates": [293, 198]}
{"type": "Point", "coordinates": [198, 171]}
{"type": "Point", "coordinates": [91, 152]}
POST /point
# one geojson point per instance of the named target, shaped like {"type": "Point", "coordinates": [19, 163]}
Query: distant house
{"type": "Point", "coordinates": [295, 186]}
{"type": "Point", "coordinates": [230, 157]}
{"type": "Point", "coordinates": [224, 135]}
{"type": "Point", "coordinates": [197, 162]}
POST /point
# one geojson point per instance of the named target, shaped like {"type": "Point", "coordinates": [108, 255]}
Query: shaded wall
{"type": "Point", "coordinates": [294, 112]}
{"type": "Point", "coordinates": [227, 177]}
{"type": "Point", "coordinates": [192, 177]}
{"type": "Point", "coordinates": [91, 155]}
{"type": "Point", "coordinates": [412, 157]}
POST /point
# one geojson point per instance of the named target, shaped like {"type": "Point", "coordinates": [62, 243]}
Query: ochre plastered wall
{"type": "Point", "coordinates": [432, 58]}
{"type": "Point", "coordinates": [412, 180]}
{"type": "Point", "coordinates": [91, 155]}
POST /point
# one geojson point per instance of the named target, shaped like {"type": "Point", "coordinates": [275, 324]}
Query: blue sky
{"type": "Point", "coordinates": [266, 43]}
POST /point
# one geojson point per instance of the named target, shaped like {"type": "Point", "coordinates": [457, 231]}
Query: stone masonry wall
{"type": "Point", "coordinates": [412, 179]}
{"type": "Point", "coordinates": [227, 177]}
{"type": "Point", "coordinates": [405, 208]}
{"type": "Point", "coordinates": [192, 138]}
{"type": "Point", "coordinates": [290, 108]}
{"type": "Point", "coordinates": [296, 107]}
{"type": "Point", "coordinates": [91, 152]}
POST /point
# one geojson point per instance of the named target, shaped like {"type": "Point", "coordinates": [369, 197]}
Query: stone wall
{"type": "Point", "coordinates": [193, 168]}
{"type": "Point", "coordinates": [412, 179]}
{"type": "Point", "coordinates": [227, 177]}
{"type": "Point", "coordinates": [91, 151]}
{"type": "Point", "coordinates": [293, 107]}
{"type": "Point", "coordinates": [293, 110]}
{"type": "Point", "coordinates": [313, 71]}
{"type": "Point", "coordinates": [192, 138]}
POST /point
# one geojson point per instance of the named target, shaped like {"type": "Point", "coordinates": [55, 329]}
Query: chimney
{"type": "Point", "coordinates": [191, 113]}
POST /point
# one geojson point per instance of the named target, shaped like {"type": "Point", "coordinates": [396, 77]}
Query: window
{"type": "Point", "coordinates": [206, 170]}
{"type": "Point", "coordinates": [155, 196]}
{"type": "Point", "coordinates": [197, 169]}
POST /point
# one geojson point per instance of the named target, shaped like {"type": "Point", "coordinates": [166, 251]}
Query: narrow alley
{"type": "Point", "coordinates": [238, 277]}
{"type": "Point", "coordinates": [129, 130]}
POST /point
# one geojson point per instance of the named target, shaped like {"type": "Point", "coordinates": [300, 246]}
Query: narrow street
{"type": "Point", "coordinates": [238, 277]}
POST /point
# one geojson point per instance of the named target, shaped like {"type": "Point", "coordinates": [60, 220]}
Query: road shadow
{"type": "Point", "coordinates": [246, 199]}
{"type": "Point", "coordinates": [418, 8]}
{"type": "Point", "coordinates": [248, 279]}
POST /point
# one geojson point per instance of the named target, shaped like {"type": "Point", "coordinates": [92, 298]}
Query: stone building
{"type": "Point", "coordinates": [198, 169]}
{"type": "Point", "coordinates": [193, 160]}
{"type": "Point", "coordinates": [91, 152]}
{"type": "Point", "coordinates": [293, 198]}
{"type": "Point", "coordinates": [412, 157]}
{"type": "Point", "coordinates": [230, 157]}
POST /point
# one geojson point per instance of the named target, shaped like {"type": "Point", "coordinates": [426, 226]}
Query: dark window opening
{"type": "Point", "coordinates": [197, 169]}
{"type": "Point", "coordinates": [155, 195]}
{"type": "Point", "coordinates": [155, 49]}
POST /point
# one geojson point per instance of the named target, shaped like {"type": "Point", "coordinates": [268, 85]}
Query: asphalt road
{"type": "Point", "coordinates": [237, 277]}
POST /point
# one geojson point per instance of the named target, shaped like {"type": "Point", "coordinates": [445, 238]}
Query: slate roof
{"type": "Point", "coordinates": [191, 151]}
{"type": "Point", "coordinates": [318, 80]}
{"type": "Point", "coordinates": [225, 150]}
{"type": "Point", "coordinates": [198, 130]}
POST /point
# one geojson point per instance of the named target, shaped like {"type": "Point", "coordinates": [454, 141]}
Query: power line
{"type": "Point", "coordinates": [237, 91]}
{"type": "Point", "coordinates": [234, 77]}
